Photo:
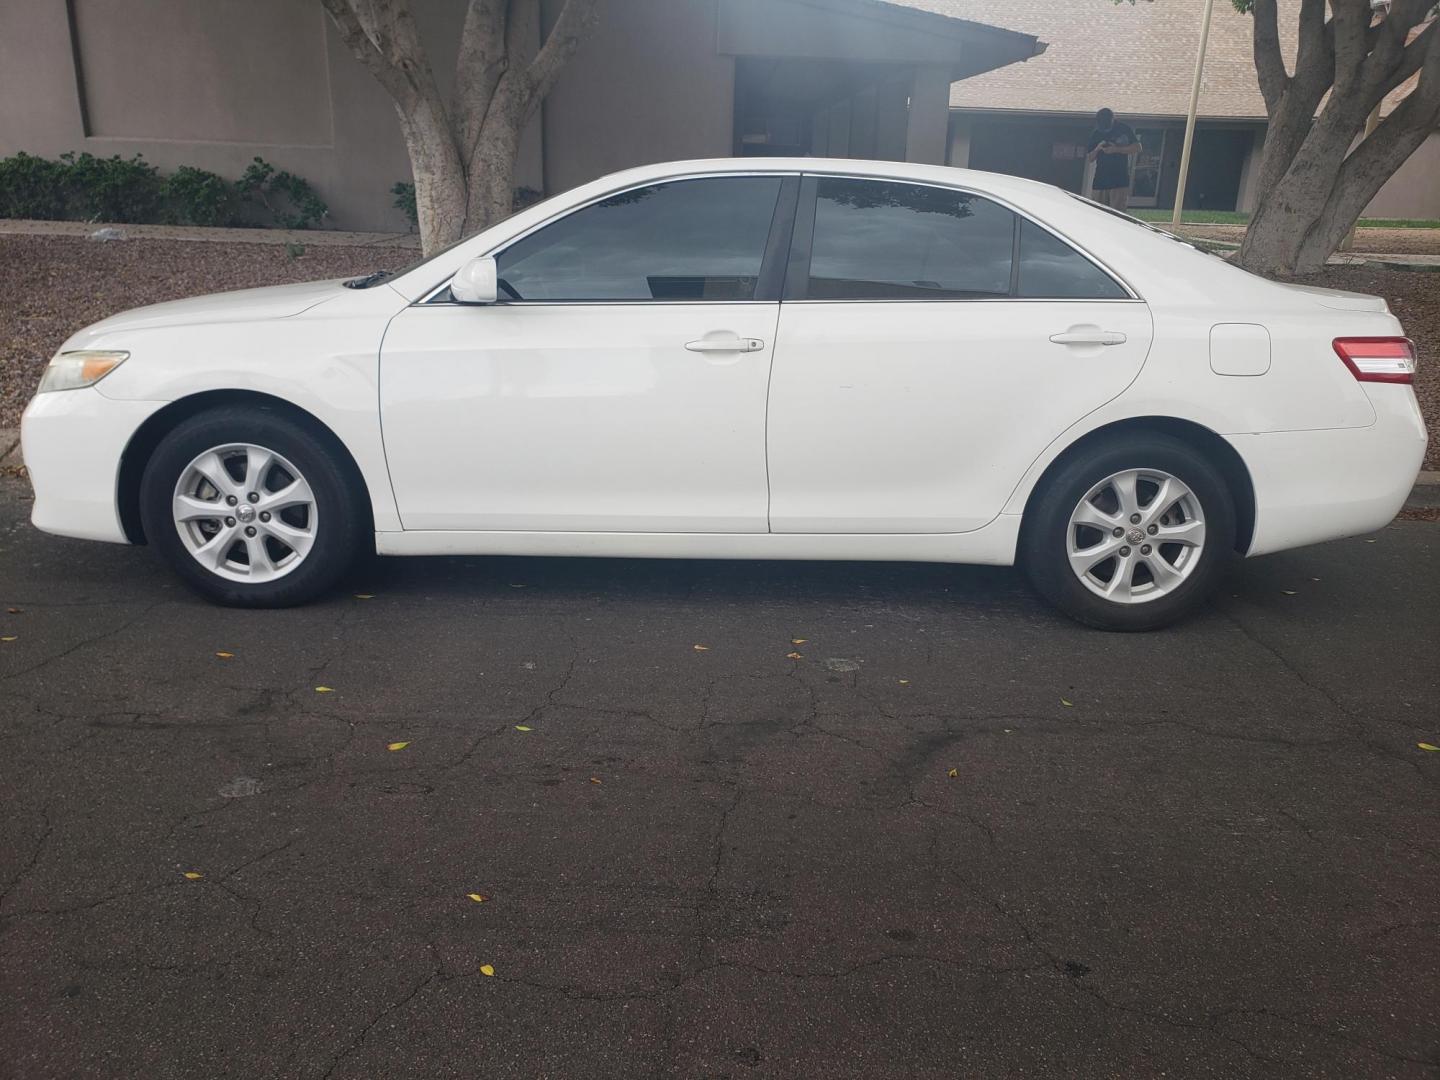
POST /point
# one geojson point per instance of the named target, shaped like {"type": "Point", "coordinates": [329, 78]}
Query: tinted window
{"type": "Point", "coordinates": [878, 240]}
{"type": "Point", "coordinates": [685, 240]}
{"type": "Point", "coordinates": [1049, 267]}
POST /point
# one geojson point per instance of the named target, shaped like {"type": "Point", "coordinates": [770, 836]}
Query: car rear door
{"type": "Point", "coordinates": [932, 343]}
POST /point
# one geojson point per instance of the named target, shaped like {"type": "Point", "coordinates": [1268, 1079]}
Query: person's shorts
{"type": "Point", "coordinates": [1117, 198]}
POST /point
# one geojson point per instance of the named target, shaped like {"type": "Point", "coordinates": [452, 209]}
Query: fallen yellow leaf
{"type": "Point", "coordinates": [595, 780]}
{"type": "Point", "coordinates": [798, 640]}
{"type": "Point", "coordinates": [1067, 704]}
{"type": "Point", "coordinates": [1288, 592]}
{"type": "Point", "coordinates": [1428, 746]}
{"type": "Point", "coordinates": [486, 969]}
{"type": "Point", "coordinates": [225, 655]}
{"type": "Point", "coordinates": [12, 637]}
{"type": "Point", "coordinates": [904, 682]}
{"type": "Point", "coordinates": [521, 727]}
{"type": "Point", "coordinates": [324, 690]}
{"type": "Point", "coordinates": [953, 773]}
{"type": "Point", "coordinates": [794, 656]}
{"type": "Point", "coordinates": [396, 745]}
{"type": "Point", "coordinates": [479, 898]}
{"type": "Point", "coordinates": [364, 596]}
{"type": "Point", "coordinates": [701, 648]}
{"type": "Point", "coordinates": [191, 875]}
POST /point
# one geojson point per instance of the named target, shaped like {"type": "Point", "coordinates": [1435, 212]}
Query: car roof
{"type": "Point", "coordinates": [885, 170]}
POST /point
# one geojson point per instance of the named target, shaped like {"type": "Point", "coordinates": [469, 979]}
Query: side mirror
{"type": "Point", "coordinates": [477, 282]}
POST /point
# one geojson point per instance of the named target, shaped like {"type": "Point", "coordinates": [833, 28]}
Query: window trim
{"type": "Point", "coordinates": [777, 243]}
{"type": "Point", "coordinates": [797, 279]}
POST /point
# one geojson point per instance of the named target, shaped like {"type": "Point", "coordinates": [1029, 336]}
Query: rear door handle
{"type": "Point", "coordinates": [729, 343]}
{"type": "Point", "coordinates": [1089, 337]}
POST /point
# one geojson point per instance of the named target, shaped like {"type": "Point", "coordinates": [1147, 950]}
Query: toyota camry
{"type": "Point", "coordinates": [737, 359]}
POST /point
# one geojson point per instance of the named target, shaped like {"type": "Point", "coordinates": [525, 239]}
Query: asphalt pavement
{"type": "Point", "coordinates": [580, 818]}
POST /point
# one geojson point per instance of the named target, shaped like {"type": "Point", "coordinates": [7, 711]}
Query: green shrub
{"type": "Point", "coordinates": [31, 187]}
{"type": "Point", "coordinates": [113, 188]}
{"type": "Point", "coordinates": [289, 199]}
{"type": "Point", "coordinates": [197, 197]}
{"type": "Point", "coordinates": [131, 190]}
{"type": "Point", "coordinates": [404, 193]}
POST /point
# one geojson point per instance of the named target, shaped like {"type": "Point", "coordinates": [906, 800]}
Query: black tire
{"type": "Point", "coordinates": [1047, 520]}
{"type": "Point", "coordinates": [341, 525]}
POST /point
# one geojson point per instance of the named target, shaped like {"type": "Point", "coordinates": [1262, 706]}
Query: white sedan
{"type": "Point", "coordinates": [746, 359]}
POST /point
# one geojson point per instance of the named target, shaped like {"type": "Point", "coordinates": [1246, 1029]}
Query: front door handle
{"type": "Point", "coordinates": [1089, 337]}
{"type": "Point", "coordinates": [728, 343]}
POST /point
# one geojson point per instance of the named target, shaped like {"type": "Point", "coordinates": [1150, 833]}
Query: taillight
{"type": "Point", "coordinates": [1378, 359]}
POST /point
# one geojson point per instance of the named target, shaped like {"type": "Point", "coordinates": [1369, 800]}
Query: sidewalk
{"type": "Point", "coordinates": [305, 237]}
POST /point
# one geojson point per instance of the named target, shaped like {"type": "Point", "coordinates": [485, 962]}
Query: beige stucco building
{"type": "Point", "coordinates": [214, 84]}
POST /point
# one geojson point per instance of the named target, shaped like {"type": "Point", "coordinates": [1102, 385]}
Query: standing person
{"type": "Point", "coordinates": [1112, 145]}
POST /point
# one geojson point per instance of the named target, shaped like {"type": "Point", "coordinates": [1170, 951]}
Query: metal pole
{"type": "Point", "coordinates": [1190, 118]}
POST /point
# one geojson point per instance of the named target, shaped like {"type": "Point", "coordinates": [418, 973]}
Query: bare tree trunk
{"type": "Point", "coordinates": [463, 155]}
{"type": "Point", "coordinates": [1315, 179]}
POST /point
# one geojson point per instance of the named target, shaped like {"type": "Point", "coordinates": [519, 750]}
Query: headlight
{"type": "Point", "coordinates": [72, 370]}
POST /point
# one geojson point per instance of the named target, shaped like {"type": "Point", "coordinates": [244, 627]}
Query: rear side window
{"type": "Point", "coordinates": [884, 240]}
{"type": "Point", "coordinates": [685, 240]}
{"type": "Point", "coordinates": [1051, 268]}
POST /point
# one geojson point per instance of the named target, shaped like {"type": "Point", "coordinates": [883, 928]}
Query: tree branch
{"type": "Point", "coordinates": [479, 67]}
{"type": "Point", "coordinates": [1351, 23]}
{"type": "Point", "coordinates": [1375, 160]}
{"type": "Point", "coordinates": [1396, 59]}
{"type": "Point", "coordinates": [575, 19]}
{"type": "Point", "coordinates": [1269, 63]}
{"type": "Point", "coordinates": [365, 49]}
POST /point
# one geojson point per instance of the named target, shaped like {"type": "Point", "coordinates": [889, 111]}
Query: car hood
{"type": "Point", "coordinates": [244, 305]}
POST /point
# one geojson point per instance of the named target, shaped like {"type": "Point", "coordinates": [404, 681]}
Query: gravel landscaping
{"type": "Point", "coordinates": [55, 285]}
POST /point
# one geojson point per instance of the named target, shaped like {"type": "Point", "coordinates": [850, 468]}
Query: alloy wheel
{"type": "Point", "coordinates": [245, 513]}
{"type": "Point", "coordinates": [1136, 536]}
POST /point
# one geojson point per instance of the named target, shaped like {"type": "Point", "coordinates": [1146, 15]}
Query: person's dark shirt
{"type": "Point", "coordinates": [1112, 170]}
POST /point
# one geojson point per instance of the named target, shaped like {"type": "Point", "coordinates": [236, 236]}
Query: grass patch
{"type": "Point", "coordinates": [1236, 217]}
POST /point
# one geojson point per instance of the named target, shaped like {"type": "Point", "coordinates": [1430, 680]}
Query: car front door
{"type": "Point", "coordinates": [621, 386]}
{"type": "Point", "coordinates": [932, 343]}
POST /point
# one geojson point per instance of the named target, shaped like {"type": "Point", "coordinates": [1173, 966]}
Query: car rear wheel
{"type": "Point", "coordinates": [251, 509]}
{"type": "Point", "coordinates": [1130, 535]}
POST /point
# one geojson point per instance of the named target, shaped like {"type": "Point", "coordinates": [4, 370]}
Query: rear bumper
{"type": "Point", "coordinates": [1312, 486]}
{"type": "Point", "coordinates": [73, 441]}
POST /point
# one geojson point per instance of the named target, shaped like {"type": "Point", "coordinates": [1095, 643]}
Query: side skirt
{"type": "Point", "coordinates": [992, 545]}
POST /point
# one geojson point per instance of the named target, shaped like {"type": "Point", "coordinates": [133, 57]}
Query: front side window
{"type": "Point", "coordinates": [885, 240]}
{"type": "Point", "coordinates": [683, 240]}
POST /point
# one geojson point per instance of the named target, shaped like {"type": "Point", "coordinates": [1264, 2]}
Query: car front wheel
{"type": "Point", "coordinates": [251, 509]}
{"type": "Point", "coordinates": [1131, 535]}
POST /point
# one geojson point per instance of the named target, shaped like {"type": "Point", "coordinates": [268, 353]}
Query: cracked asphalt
{"type": "Point", "coordinates": [958, 837]}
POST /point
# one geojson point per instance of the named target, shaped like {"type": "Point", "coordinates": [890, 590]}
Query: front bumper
{"type": "Point", "coordinates": [73, 441]}
{"type": "Point", "coordinates": [1312, 486]}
